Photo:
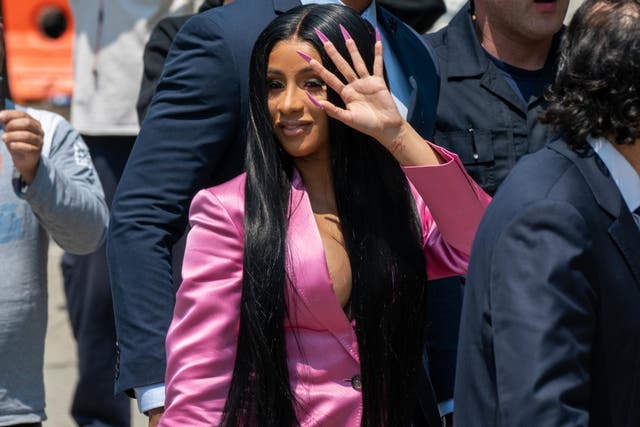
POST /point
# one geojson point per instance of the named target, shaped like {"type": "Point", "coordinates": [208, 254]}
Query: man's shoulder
{"type": "Point", "coordinates": [236, 24]}
{"type": "Point", "coordinates": [550, 174]}
{"type": "Point", "coordinates": [539, 171]}
{"type": "Point", "coordinates": [457, 26]}
{"type": "Point", "coordinates": [543, 188]}
{"type": "Point", "coordinates": [238, 12]}
{"type": "Point", "coordinates": [437, 38]}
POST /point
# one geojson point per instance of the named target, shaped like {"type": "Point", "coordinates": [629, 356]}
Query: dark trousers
{"type": "Point", "coordinates": [86, 285]}
{"type": "Point", "coordinates": [445, 305]}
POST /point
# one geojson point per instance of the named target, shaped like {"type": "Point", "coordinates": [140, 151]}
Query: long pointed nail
{"type": "Point", "coordinates": [304, 56]}
{"type": "Point", "coordinates": [378, 36]}
{"type": "Point", "coordinates": [345, 33]}
{"type": "Point", "coordinates": [313, 100]}
{"type": "Point", "coordinates": [321, 36]}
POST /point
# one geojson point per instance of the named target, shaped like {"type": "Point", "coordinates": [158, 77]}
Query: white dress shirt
{"type": "Point", "coordinates": [623, 174]}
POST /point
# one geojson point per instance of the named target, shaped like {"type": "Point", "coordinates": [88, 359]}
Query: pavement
{"type": "Point", "coordinates": [60, 360]}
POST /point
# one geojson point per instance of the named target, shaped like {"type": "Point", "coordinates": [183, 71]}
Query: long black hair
{"type": "Point", "coordinates": [383, 239]}
{"type": "Point", "coordinates": [597, 90]}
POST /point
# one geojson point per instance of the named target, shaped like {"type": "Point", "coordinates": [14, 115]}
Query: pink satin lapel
{"type": "Point", "coordinates": [307, 268]}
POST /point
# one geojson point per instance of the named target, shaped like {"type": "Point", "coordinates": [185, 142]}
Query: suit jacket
{"type": "Point", "coordinates": [193, 137]}
{"type": "Point", "coordinates": [202, 339]}
{"type": "Point", "coordinates": [550, 332]}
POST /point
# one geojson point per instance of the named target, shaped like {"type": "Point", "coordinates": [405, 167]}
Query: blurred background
{"type": "Point", "coordinates": [39, 44]}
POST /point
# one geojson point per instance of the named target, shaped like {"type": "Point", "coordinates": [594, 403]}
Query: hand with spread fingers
{"type": "Point", "coordinates": [23, 136]}
{"type": "Point", "coordinates": [369, 106]}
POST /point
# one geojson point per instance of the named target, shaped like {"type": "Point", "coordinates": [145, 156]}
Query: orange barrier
{"type": "Point", "coordinates": [39, 48]}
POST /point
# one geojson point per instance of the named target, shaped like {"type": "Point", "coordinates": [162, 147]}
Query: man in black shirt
{"type": "Point", "coordinates": [495, 57]}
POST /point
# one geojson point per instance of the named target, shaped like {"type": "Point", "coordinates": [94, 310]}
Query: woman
{"type": "Point", "coordinates": [303, 299]}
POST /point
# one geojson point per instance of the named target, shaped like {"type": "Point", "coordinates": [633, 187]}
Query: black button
{"type": "Point", "coordinates": [356, 383]}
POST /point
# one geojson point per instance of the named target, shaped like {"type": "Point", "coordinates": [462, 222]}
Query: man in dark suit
{"type": "Point", "coordinates": [193, 137]}
{"type": "Point", "coordinates": [550, 321]}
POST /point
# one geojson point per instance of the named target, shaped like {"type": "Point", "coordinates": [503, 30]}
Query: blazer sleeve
{"type": "Point", "coordinates": [450, 205]}
{"type": "Point", "coordinates": [202, 339]}
{"type": "Point", "coordinates": [191, 122]}
{"type": "Point", "coordinates": [543, 313]}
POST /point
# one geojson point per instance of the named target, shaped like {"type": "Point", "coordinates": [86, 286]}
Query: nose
{"type": "Point", "coordinates": [293, 99]}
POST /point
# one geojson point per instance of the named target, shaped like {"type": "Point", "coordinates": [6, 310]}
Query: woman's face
{"type": "Point", "coordinates": [300, 126]}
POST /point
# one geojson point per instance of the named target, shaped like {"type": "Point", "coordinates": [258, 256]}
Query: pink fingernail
{"type": "Point", "coordinates": [378, 36]}
{"type": "Point", "coordinates": [304, 56]}
{"type": "Point", "coordinates": [345, 33]}
{"type": "Point", "coordinates": [321, 36]}
{"type": "Point", "coordinates": [313, 100]}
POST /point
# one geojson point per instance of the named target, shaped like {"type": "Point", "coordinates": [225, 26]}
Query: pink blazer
{"type": "Point", "coordinates": [201, 342]}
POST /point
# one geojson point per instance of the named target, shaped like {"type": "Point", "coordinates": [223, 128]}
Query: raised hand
{"type": "Point", "coordinates": [369, 106]}
{"type": "Point", "coordinates": [23, 137]}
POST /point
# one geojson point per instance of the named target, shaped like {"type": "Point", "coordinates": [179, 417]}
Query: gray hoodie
{"type": "Point", "coordinates": [64, 202]}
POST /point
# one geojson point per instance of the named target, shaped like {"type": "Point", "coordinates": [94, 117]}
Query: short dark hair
{"type": "Point", "coordinates": [597, 91]}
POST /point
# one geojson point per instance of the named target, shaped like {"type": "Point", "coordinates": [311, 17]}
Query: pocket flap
{"type": "Point", "coordinates": [473, 146]}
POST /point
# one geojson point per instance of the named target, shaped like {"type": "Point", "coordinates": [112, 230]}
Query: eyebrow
{"type": "Point", "coordinates": [303, 71]}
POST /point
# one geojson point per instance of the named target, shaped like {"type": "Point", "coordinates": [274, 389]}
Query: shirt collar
{"type": "Point", "coordinates": [623, 174]}
{"type": "Point", "coordinates": [369, 13]}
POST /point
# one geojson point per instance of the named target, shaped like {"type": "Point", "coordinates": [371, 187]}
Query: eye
{"type": "Point", "coordinates": [274, 84]}
{"type": "Point", "coordinates": [314, 84]}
